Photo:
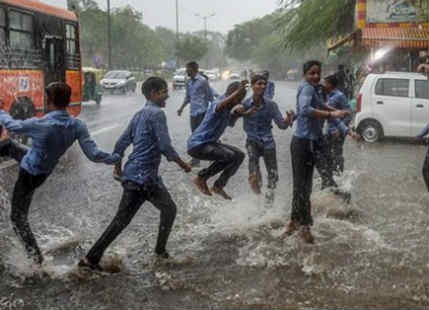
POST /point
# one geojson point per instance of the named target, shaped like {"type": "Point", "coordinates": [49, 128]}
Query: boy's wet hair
{"type": "Point", "coordinates": [257, 77]}
{"type": "Point", "coordinates": [153, 84]}
{"type": "Point", "coordinates": [332, 79]}
{"type": "Point", "coordinates": [232, 88]}
{"type": "Point", "coordinates": [59, 94]}
{"type": "Point", "coordinates": [309, 64]}
{"type": "Point", "coordinates": [193, 65]}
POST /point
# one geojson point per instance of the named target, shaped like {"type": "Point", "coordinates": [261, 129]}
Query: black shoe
{"type": "Point", "coordinates": [163, 255]}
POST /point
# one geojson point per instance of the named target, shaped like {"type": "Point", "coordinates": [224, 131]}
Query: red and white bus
{"type": "Point", "coordinates": [39, 44]}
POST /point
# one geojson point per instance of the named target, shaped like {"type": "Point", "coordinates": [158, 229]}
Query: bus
{"type": "Point", "coordinates": [39, 44]}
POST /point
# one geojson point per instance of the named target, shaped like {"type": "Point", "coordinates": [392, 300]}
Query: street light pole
{"type": "Point", "coordinates": [177, 20]}
{"type": "Point", "coordinates": [205, 28]}
{"type": "Point", "coordinates": [177, 32]}
{"type": "Point", "coordinates": [109, 36]}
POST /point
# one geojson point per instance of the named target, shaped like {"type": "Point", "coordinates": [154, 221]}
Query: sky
{"type": "Point", "coordinates": [163, 12]}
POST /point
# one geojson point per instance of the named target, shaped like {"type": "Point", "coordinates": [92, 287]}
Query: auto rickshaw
{"type": "Point", "coordinates": [91, 89]}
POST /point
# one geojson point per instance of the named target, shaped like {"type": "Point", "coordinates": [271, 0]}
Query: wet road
{"type": "Point", "coordinates": [373, 252]}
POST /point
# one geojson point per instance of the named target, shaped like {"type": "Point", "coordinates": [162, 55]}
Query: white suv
{"type": "Point", "coordinates": [393, 104]}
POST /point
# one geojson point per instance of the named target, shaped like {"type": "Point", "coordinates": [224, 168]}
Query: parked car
{"type": "Point", "coordinates": [393, 104]}
{"type": "Point", "coordinates": [119, 81]}
{"type": "Point", "coordinates": [179, 79]}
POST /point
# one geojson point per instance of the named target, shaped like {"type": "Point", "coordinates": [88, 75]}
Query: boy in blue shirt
{"type": "Point", "coordinates": [337, 133]}
{"type": "Point", "coordinates": [258, 114]}
{"type": "Point", "coordinates": [52, 135]}
{"type": "Point", "coordinates": [204, 142]}
{"type": "Point", "coordinates": [198, 95]}
{"type": "Point", "coordinates": [148, 133]}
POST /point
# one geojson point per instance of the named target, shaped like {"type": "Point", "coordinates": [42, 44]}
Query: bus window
{"type": "Point", "coordinates": [21, 30]}
{"type": "Point", "coordinates": [71, 39]}
{"type": "Point", "coordinates": [2, 27]}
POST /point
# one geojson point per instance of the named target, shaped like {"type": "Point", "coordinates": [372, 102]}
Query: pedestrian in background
{"type": "Point", "coordinates": [198, 95]}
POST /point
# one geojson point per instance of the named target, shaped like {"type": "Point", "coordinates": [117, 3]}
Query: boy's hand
{"type": "Point", "coordinates": [240, 110]}
{"type": "Point", "coordinates": [186, 167]}
{"type": "Point", "coordinates": [355, 136]}
{"type": "Point", "coordinates": [340, 113]}
{"type": "Point", "coordinates": [290, 116]}
{"type": "Point", "coordinates": [243, 84]}
{"type": "Point", "coordinates": [337, 133]}
{"type": "Point", "coordinates": [117, 171]}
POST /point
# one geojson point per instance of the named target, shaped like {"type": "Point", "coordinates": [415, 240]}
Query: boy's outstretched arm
{"type": "Point", "coordinates": [281, 122]}
{"type": "Point", "coordinates": [164, 140]}
{"type": "Point", "coordinates": [91, 151]}
{"type": "Point", "coordinates": [25, 127]}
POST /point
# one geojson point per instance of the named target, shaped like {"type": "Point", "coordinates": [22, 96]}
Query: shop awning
{"type": "Point", "coordinates": [412, 38]}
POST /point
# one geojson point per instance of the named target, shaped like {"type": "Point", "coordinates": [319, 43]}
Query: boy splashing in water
{"type": "Point", "coordinates": [148, 133]}
{"type": "Point", "coordinates": [52, 135]}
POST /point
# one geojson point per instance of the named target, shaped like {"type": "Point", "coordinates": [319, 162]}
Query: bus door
{"type": "Point", "coordinates": [54, 60]}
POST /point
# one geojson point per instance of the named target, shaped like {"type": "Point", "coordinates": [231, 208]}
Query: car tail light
{"type": "Point", "coordinates": [359, 103]}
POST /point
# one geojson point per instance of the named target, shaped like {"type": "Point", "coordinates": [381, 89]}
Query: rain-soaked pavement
{"type": "Point", "coordinates": [371, 253]}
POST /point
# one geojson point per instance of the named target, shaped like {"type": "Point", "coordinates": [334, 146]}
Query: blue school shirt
{"type": "Point", "coordinates": [148, 133]}
{"type": "Point", "coordinates": [198, 95]}
{"type": "Point", "coordinates": [258, 125]}
{"type": "Point", "coordinates": [51, 136]}
{"type": "Point", "coordinates": [338, 101]}
{"type": "Point", "coordinates": [212, 127]}
{"type": "Point", "coordinates": [308, 127]}
{"type": "Point", "coordinates": [308, 99]}
{"type": "Point", "coordinates": [270, 90]}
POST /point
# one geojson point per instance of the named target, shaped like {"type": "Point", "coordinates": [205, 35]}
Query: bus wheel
{"type": "Point", "coordinates": [22, 109]}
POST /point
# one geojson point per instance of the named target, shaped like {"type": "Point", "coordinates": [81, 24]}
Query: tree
{"type": "Point", "coordinates": [191, 48]}
{"type": "Point", "coordinates": [244, 38]}
{"type": "Point", "coordinates": [216, 45]}
{"type": "Point", "coordinates": [307, 23]}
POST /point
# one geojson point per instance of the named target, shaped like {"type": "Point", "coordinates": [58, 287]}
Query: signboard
{"type": "Point", "coordinates": [396, 11]}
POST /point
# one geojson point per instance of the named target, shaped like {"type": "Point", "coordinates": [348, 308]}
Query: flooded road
{"type": "Point", "coordinates": [373, 252]}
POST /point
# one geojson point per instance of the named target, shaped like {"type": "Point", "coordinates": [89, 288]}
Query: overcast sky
{"type": "Point", "coordinates": [163, 12]}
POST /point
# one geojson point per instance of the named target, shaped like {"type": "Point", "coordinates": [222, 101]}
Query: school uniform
{"type": "Point", "coordinates": [148, 133]}
{"type": "Point", "coordinates": [51, 137]}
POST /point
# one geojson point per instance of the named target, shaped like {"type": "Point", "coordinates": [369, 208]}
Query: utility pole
{"type": "Point", "coordinates": [177, 20]}
{"type": "Point", "coordinates": [205, 28]}
{"type": "Point", "coordinates": [109, 36]}
{"type": "Point", "coordinates": [177, 32]}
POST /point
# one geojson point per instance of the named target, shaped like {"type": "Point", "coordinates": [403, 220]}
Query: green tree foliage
{"type": "Point", "coordinates": [134, 45]}
{"type": "Point", "coordinates": [261, 43]}
{"type": "Point", "coordinates": [215, 55]}
{"type": "Point", "coordinates": [244, 38]}
{"type": "Point", "coordinates": [309, 23]}
{"type": "Point", "coordinates": [191, 48]}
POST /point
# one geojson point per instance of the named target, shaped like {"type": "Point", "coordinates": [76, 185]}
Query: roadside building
{"type": "Point", "coordinates": [391, 34]}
